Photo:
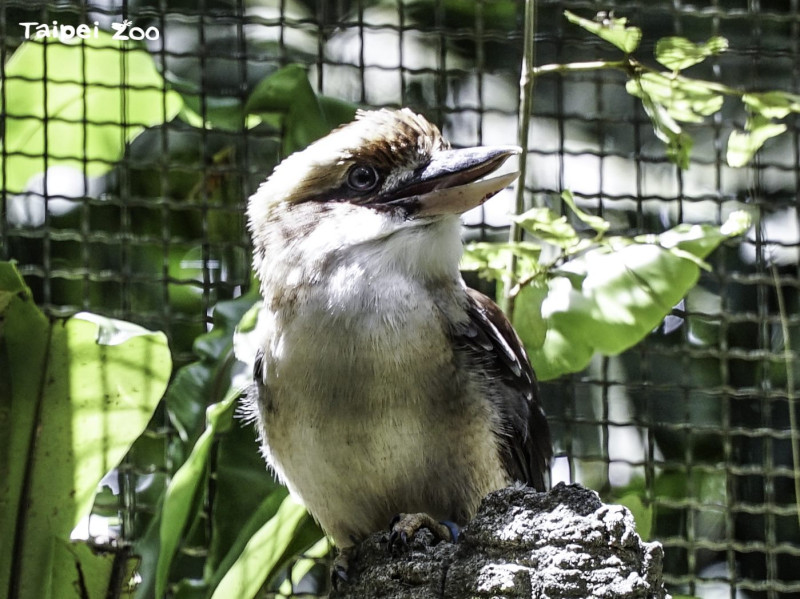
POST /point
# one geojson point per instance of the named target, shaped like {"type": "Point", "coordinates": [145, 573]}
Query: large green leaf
{"type": "Point", "coordinates": [264, 551]}
{"type": "Point", "coordinates": [79, 391]}
{"type": "Point", "coordinates": [186, 484]}
{"type": "Point", "coordinates": [77, 104]}
{"type": "Point", "coordinates": [200, 403]}
{"type": "Point", "coordinates": [609, 298]}
{"type": "Point", "coordinates": [243, 481]}
{"type": "Point", "coordinates": [82, 572]}
{"type": "Point", "coordinates": [306, 116]}
{"type": "Point", "coordinates": [247, 500]}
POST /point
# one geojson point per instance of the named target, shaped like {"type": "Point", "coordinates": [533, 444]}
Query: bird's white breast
{"type": "Point", "coordinates": [363, 387]}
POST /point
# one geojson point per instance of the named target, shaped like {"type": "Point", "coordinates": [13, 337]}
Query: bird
{"type": "Point", "coordinates": [385, 390]}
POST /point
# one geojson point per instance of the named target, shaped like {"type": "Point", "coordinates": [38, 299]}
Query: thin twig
{"type": "Point", "coordinates": [577, 67]}
{"type": "Point", "coordinates": [787, 353]}
{"type": "Point", "coordinates": [523, 126]}
{"type": "Point", "coordinates": [633, 68]}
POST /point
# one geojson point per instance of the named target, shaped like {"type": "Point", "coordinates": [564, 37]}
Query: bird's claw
{"type": "Point", "coordinates": [404, 526]}
{"type": "Point", "coordinates": [339, 574]}
{"type": "Point", "coordinates": [341, 566]}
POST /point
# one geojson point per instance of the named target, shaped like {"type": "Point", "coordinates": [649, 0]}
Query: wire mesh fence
{"type": "Point", "coordinates": [692, 428]}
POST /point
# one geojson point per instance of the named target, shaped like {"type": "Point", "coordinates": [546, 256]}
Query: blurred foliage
{"type": "Point", "coordinates": [77, 105]}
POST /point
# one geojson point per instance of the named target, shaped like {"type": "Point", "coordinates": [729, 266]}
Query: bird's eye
{"type": "Point", "coordinates": [362, 178]}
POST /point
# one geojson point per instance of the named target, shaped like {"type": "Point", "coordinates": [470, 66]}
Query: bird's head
{"type": "Point", "coordinates": [385, 186]}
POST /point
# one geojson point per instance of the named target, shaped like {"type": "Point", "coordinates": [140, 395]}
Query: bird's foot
{"type": "Point", "coordinates": [341, 566]}
{"type": "Point", "coordinates": [405, 526]}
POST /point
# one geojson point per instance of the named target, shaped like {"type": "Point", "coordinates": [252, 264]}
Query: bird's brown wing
{"type": "Point", "coordinates": [495, 347]}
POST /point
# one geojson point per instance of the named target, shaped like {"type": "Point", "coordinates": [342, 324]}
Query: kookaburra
{"type": "Point", "coordinates": [384, 385]}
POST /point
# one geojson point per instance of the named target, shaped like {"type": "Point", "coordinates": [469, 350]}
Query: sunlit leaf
{"type": "Point", "coordinates": [597, 223]}
{"type": "Point", "coordinates": [773, 104]}
{"type": "Point", "coordinates": [491, 260]}
{"type": "Point", "coordinates": [679, 143]}
{"type": "Point", "coordinates": [700, 240]}
{"type": "Point", "coordinates": [548, 226]}
{"type": "Point", "coordinates": [86, 387]}
{"type": "Point", "coordinates": [528, 320]}
{"type": "Point", "coordinates": [742, 145]}
{"type": "Point", "coordinates": [614, 31]}
{"type": "Point", "coordinates": [609, 298]}
{"type": "Point", "coordinates": [687, 100]}
{"type": "Point", "coordinates": [77, 104]}
{"type": "Point", "coordinates": [678, 53]}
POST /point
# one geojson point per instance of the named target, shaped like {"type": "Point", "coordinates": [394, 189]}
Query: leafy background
{"type": "Point", "coordinates": [125, 170]}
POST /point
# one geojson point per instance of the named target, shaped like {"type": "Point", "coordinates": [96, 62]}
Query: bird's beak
{"type": "Point", "coordinates": [452, 183]}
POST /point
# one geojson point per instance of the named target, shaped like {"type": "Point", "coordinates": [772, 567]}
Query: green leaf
{"type": "Point", "coordinates": [24, 345]}
{"type": "Point", "coordinates": [77, 104]}
{"type": "Point", "coordinates": [336, 111]}
{"type": "Point", "coordinates": [306, 116]}
{"type": "Point", "coordinates": [678, 53]}
{"type": "Point", "coordinates": [763, 107]}
{"type": "Point", "coordinates": [609, 298]}
{"type": "Point", "coordinates": [227, 549]}
{"type": "Point", "coordinates": [700, 240]}
{"type": "Point", "coordinates": [687, 100]}
{"type": "Point", "coordinates": [772, 105]}
{"type": "Point", "coordinates": [614, 31]}
{"type": "Point", "coordinates": [669, 98]}
{"type": "Point", "coordinates": [548, 226]}
{"type": "Point", "coordinates": [303, 566]}
{"type": "Point", "coordinates": [185, 486]}
{"type": "Point", "coordinates": [528, 321]}
{"type": "Point", "coordinates": [491, 260]}
{"type": "Point", "coordinates": [242, 483]}
{"type": "Point", "coordinates": [743, 145]}
{"type": "Point", "coordinates": [263, 553]}
{"type": "Point", "coordinates": [642, 514]}
{"type": "Point", "coordinates": [679, 144]}
{"type": "Point", "coordinates": [206, 381]}
{"type": "Point", "coordinates": [597, 223]}
{"type": "Point", "coordinates": [81, 391]}
{"type": "Point", "coordinates": [80, 572]}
